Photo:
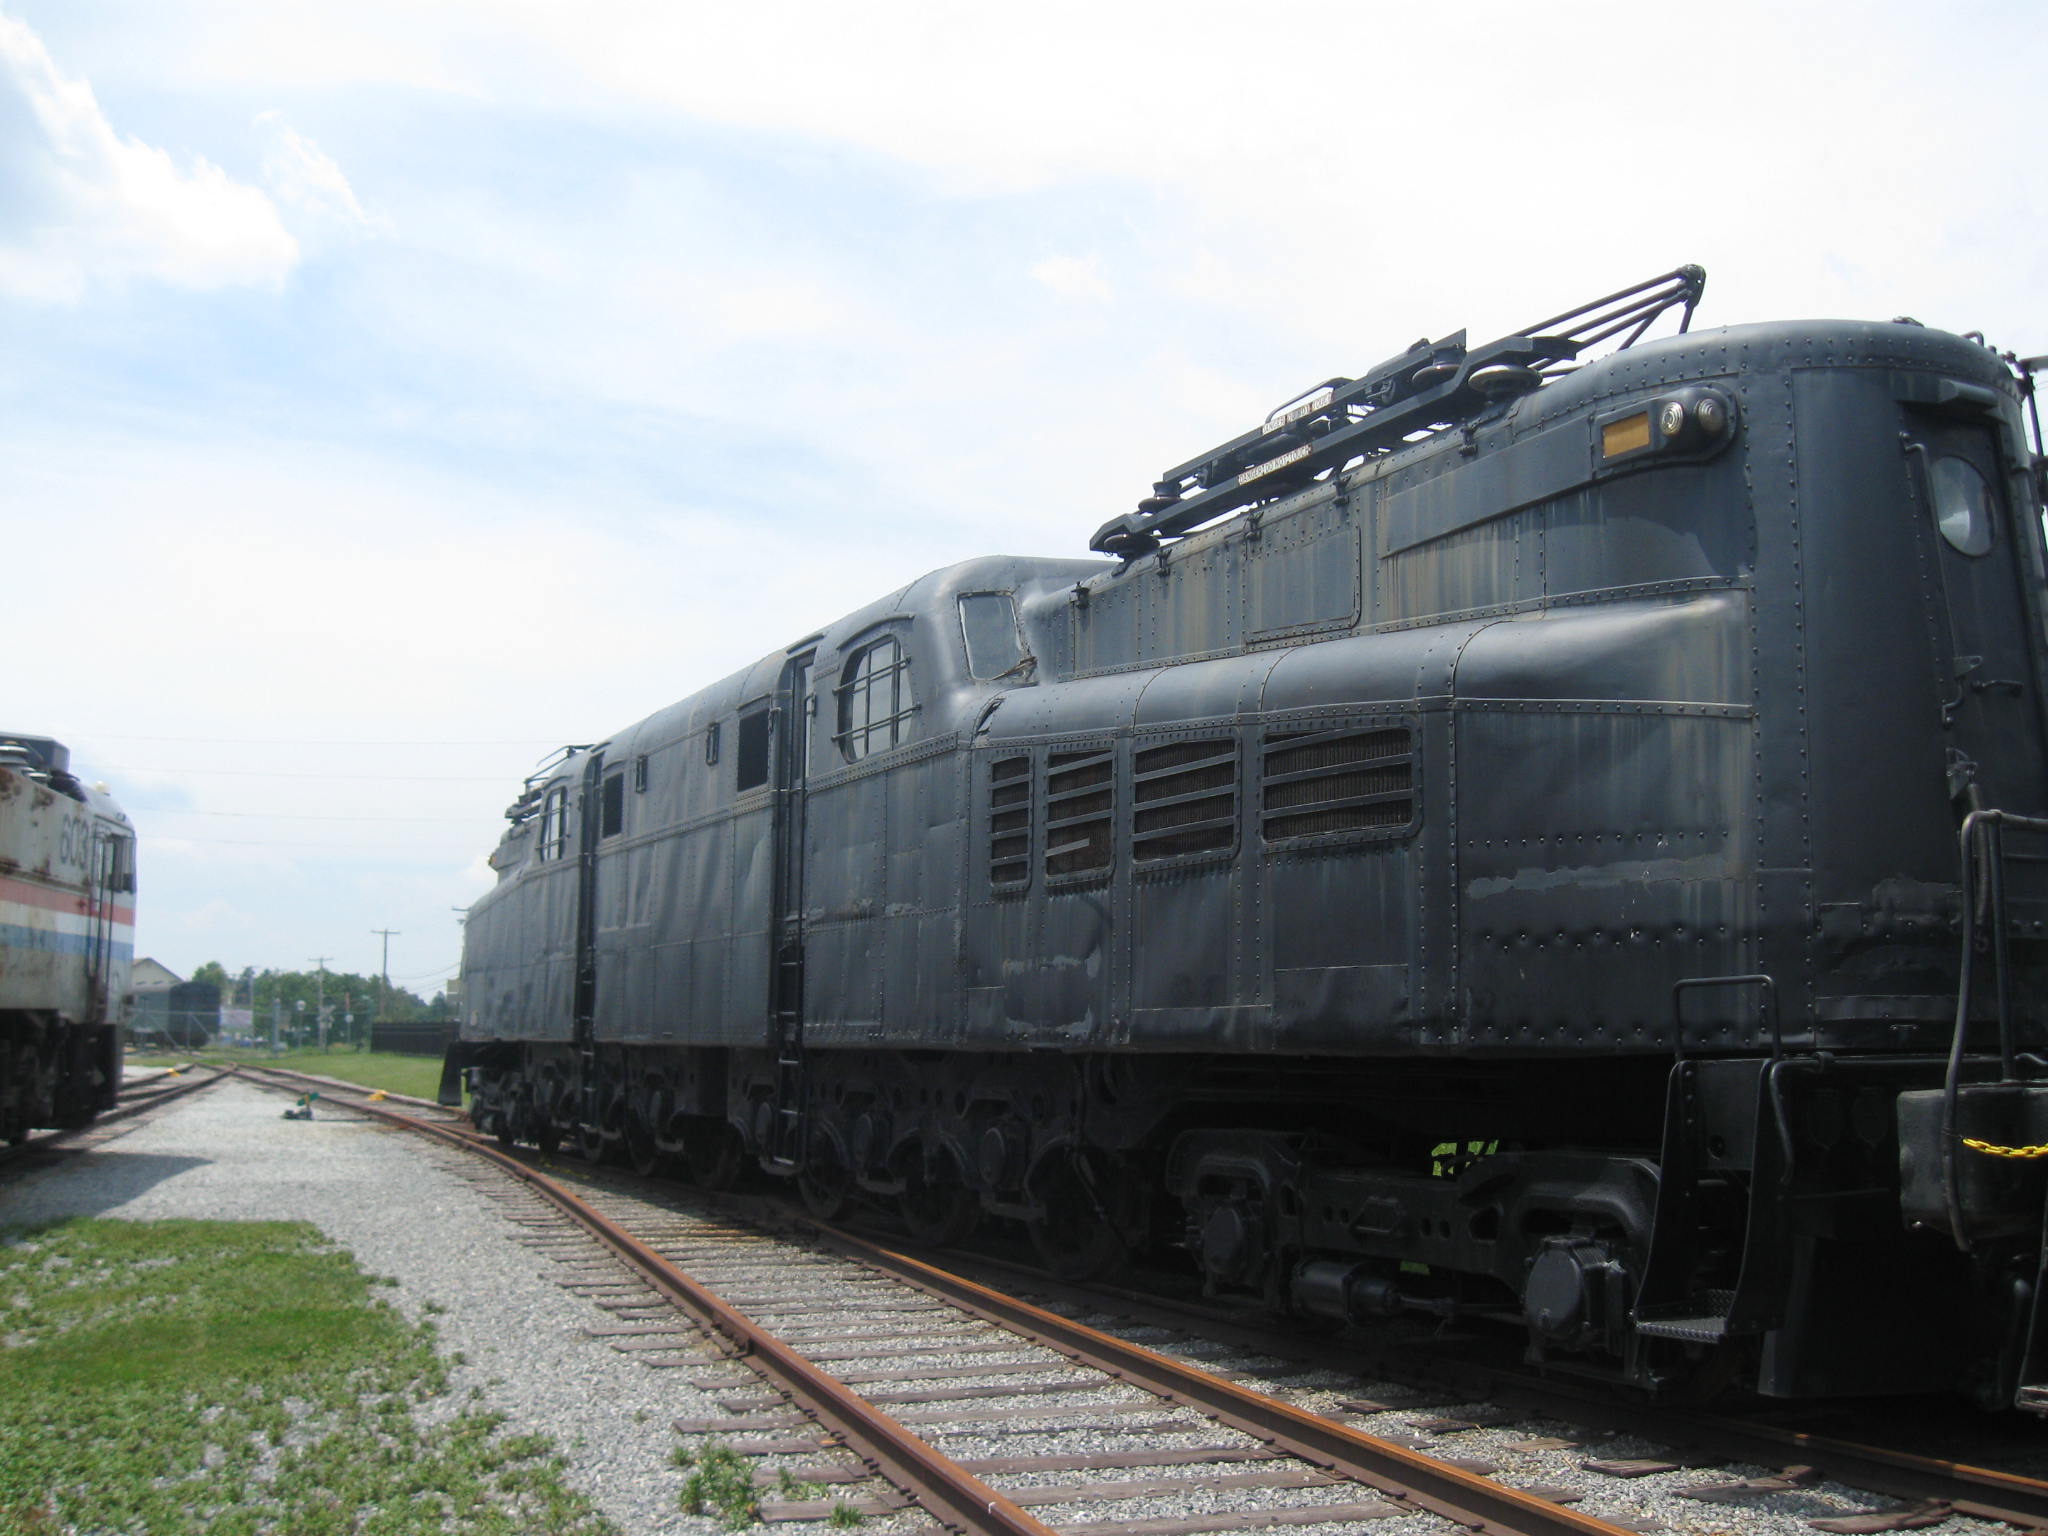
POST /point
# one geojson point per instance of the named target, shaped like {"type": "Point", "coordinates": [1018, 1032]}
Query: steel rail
{"type": "Point", "coordinates": [54, 1140]}
{"type": "Point", "coordinates": [1467, 1499]}
{"type": "Point", "coordinates": [1988, 1494]}
{"type": "Point", "coordinates": [1980, 1492]}
{"type": "Point", "coordinates": [950, 1494]}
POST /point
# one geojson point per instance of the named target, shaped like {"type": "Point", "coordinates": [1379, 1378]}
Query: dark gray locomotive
{"type": "Point", "coordinates": [1513, 836]}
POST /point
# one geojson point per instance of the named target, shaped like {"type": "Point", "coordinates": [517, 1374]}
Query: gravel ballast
{"type": "Point", "coordinates": [498, 1301]}
{"type": "Point", "coordinates": [227, 1155]}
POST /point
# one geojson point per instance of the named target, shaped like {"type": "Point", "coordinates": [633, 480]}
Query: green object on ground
{"type": "Point", "coordinates": [239, 1379]}
{"type": "Point", "coordinates": [721, 1483]}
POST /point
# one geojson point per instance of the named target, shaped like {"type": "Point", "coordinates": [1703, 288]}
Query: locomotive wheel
{"type": "Point", "coordinates": [548, 1138]}
{"type": "Point", "coordinates": [643, 1155]}
{"type": "Point", "coordinates": [1074, 1234]}
{"type": "Point", "coordinates": [826, 1187]}
{"type": "Point", "coordinates": [941, 1210]}
{"type": "Point", "coordinates": [716, 1155]}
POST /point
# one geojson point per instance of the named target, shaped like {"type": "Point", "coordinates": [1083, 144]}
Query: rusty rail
{"type": "Point", "coordinates": [1981, 1492]}
{"type": "Point", "coordinates": [1467, 1499]}
{"type": "Point", "coordinates": [962, 1501]}
{"type": "Point", "coordinates": [946, 1491]}
{"type": "Point", "coordinates": [51, 1140]}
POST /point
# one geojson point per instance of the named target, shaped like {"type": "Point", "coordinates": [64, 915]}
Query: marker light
{"type": "Point", "coordinates": [1625, 436]}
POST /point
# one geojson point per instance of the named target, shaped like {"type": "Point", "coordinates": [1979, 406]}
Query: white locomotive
{"type": "Point", "coordinates": [67, 931]}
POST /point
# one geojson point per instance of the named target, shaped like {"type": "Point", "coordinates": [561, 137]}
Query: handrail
{"type": "Point", "coordinates": [1981, 844]}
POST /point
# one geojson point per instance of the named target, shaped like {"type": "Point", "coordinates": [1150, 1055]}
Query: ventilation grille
{"type": "Point", "coordinates": [1009, 821]}
{"type": "Point", "coordinates": [1337, 781]}
{"type": "Point", "coordinates": [1186, 799]}
{"type": "Point", "coordinates": [1080, 798]}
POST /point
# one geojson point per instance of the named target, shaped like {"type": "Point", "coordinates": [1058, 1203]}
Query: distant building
{"type": "Point", "coordinates": [171, 1011]}
{"type": "Point", "coordinates": [153, 974]}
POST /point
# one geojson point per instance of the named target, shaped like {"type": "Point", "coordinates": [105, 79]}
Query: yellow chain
{"type": "Point", "coordinates": [1997, 1151]}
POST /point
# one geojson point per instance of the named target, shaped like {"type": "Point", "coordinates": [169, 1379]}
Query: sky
{"type": "Point", "coordinates": [391, 392]}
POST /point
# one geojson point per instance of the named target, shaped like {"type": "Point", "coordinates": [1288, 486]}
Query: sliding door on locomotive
{"type": "Point", "coordinates": [1530, 832]}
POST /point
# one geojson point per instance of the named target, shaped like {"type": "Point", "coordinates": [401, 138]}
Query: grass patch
{"type": "Point", "coordinates": [239, 1379]}
{"type": "Point", "coordinates": [721, 1483]}
{"type": "Point", "coordinates": [419, 1076]}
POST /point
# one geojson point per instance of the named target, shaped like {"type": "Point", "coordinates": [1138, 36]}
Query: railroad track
{"type": "Point", "coordinates": [136, 1099]}
{"type": "Point", "coordinates": [930, 1371]}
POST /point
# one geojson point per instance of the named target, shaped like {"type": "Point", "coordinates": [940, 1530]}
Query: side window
{"type": "Point", "coordinates": [554, 823]}
{"type": "Point", "coordinates": [611, 805]}
{"type": "Point", "coordinates": [711, 742]}
{"type": "Point", "coordinates": [988, 623]}
{"type": "Point", "coordinates": [875, 705]}
{"type": "Point", "coordinates": [640, 774]}
{"type": "Point", "coordinates": [753, 749]}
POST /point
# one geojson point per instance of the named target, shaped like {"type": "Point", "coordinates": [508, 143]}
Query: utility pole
{"type": "Point", "coordinates": [320, 998]}
{"type": "Point", "coordinates": [384, 976]}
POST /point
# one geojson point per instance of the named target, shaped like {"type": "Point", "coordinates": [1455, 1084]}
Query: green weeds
{"type": "Point", "coordinates": [240, 1379]}
{"type": "Point", "coordinates": [721, 1483]}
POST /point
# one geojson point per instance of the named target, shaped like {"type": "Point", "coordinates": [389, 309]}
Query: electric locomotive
{"type": "Point", "coordinates": [1531, 832]}
{"type": "Point", "coordinates": [67, 927]}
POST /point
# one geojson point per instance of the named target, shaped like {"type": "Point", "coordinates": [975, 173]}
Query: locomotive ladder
{"type": "Point", "coordinates": [785, 1148]}
{"type": "Point", "coordinates": [789, 726]}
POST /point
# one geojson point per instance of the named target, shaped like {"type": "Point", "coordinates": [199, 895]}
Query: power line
{"type": "Point", "coordinates": [442, 970]}
{"type": "Point", "coordinates": [154, 812]}
{"type": "Point", "coordinates": [322, 741]}
{"type": "Point", "coordinates": [257, 773]}
{"type": "Point", "coordinates": [265, 842]}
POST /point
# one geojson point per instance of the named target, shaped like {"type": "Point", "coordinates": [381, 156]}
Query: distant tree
{"type": "Point", "coordinates": [277, 994]}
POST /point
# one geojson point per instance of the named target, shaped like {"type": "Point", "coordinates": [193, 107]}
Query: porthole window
{"type": "Point", "coordinates": [1962, 505]}
{"type": "Point", "coordinates": [875, 705]}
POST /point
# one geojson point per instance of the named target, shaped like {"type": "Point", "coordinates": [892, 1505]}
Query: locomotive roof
{"type": "Point", "coordinates": [931, 594]}
{"type": "Point", "coordinates": [1747, 350]}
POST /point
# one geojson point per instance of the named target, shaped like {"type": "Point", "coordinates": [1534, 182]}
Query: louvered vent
{"type": "Point", "coordinates": [1080, 797]}
{"type": "Point", "coordinates": [1009, 821]}
{"type": "Point", "coordinates": [1186, 796]}
{"type": "Point", "coordinates": [1337, 781]}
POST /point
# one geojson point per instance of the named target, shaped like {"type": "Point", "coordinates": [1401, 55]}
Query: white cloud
{"type": "Point", "coordinates": [793, 307]}
{"type": "Point", "coordinates": [91, 206]}
{"type": "Point", "coordinates": [1073, 277]}
{"type": "Point", "coordinates": [307, 179]}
